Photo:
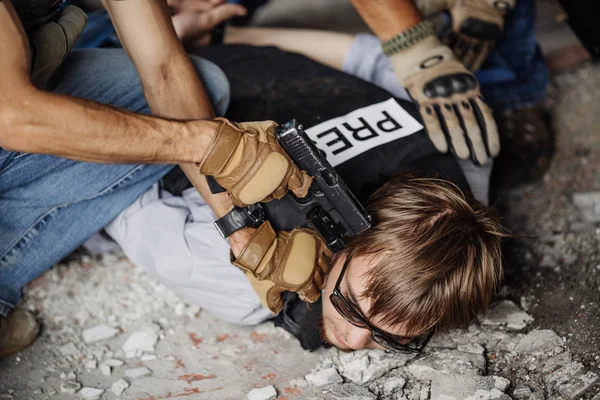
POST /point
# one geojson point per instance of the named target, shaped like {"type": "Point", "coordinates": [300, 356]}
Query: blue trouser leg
{"type": "Point", "coordinates": [50, 205]}
{"type": "Point", "coordinates": [515, 74]}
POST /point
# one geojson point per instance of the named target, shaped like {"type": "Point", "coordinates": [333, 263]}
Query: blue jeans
{"type": "Point", "coordinates": [515, 75]}
{"type": "Point", "coordinates": [50, 205]}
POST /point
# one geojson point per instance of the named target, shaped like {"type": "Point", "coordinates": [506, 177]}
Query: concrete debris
{"type": "Point", "coordinates": [6, 396]}
{"type": "Point", "coordinates": [327, 376]}
{"type": "Point", "coordinates": [447, 362]}
{"type": "Point", "coordinates": [471, 348]}
{"type": "Point", "coordinates": [506, 313]}
{"type": "Point", "coordinates": [596, 397]}
{"type": "Point", "coordinates": [92, 364]}
{"type": "Point", "coordinates": [113, 362]}
{"type": "Point", "coordinates": [522, 393]}
{"type": "Point", "coordinates": [501, 383]}
{"type": "Point", "coordinates": [539, 341]}
{"type": "Point", "coordinates": [394, 384]}
{"type": "Point", "coordinates": [38, 391]}
{"type": "Point", "coordinates": [572, 380]}
{"type": "Point", "coordinates": [446, 387]}
{"type": "Point", "coordinates": [71, 376]}
{"type": "Point", "coordinates": [589, 204]}
{"type": "Point", "coordinates": [68, 349]}
{"type": "Point", "coordinates": [118, 387]}
{"type": "Point", "coordinates": [70, 387]}
{"type": "Point", "coordinates": [556, 362]}
{"type": "Point", "coordinates": [51, 391]}
{"type": "Point", "coordinates": [88, 393]}
{"type": "Point", "coordinates": [138, 342]}
{"type": "Point", "coordinates": [98, 333]}
{"type": "Point", "coordinates": [63, 376]}
{"type": "Point", "coordinates": [424, 393]}
{"type": "Point", "coordinates": [149, 357]}
{"type": "Point", "coordinates": [106, 369]}
{"type": "Point", "coordinates": [136, 373]}
{"type": "Point", "coordinates": [363, 366]}
{"type": "Point", "coordinates": [351, 391]}
{"type": "Point", "coordinates": [264, 393]}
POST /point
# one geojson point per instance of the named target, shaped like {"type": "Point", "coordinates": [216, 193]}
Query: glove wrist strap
{"type": "Point", "coordinates": [409, 37]}
{"type": "Point", "coordinates": [247, 217]}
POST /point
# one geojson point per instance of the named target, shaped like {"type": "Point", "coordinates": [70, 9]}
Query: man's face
{"type": "Point", "coordinates": [335, 328]}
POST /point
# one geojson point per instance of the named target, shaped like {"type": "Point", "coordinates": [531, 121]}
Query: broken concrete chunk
{"type": "Point", "coordinates": [589, 204]}
{"type": "Point", "coordinates": [556, 362]}
{"type": "Point", "coordinates": [350, 391]}
{"type": "Point", "coordinates": [98, 333]}
{"type": "Point", "coordinates": [118, 387]}
{"type": "Point", "coordinates": [506, 313]}
{"type": "Point", "coordinates": [446, 362]}
{"type": "Point", "coordinates": [70, 387]}
{"type": "Point", "coordinates": [264, 393]}
{"type": "Point", "coordinates": [394, 384]}
{"type": "Point", "coordinates": [522, 393]}
{"type": "Point", "coordinates": [538, 341]}
{"type": "Point", "coordinates": [578, 386]}
{"type": "Point", "coordinates": [363, 366]}
{"type": "Point", "coordinates": [501, 383]}
{"type": "Point", "coordinates": [471, 348]}
{"type": "Point", "coordinates": [143, 340]}
{"type": "Point", "coordinates": [63, 376]}
{"type": "Point", "coordinates": [88, 393]}
{"type": "Point", "coordinates": [92, 364]}
{"type": "Point", "coordinates": [148, 357]}
{"type": "Point", "coordinates": [445, 387]}
{"type": "Point", "coordinates": [68, 349]}
{"type": "Point", "coordinates": [135, 373]}
{"type": "Point", "coordinates": [327, 376]}
{"type": "Point", "coordinates": [38, 391]}
{"type": "Point", "coordinates": [71, 376]}
{"type": "Point", "coordinates": [113, 362]}
{"type": "Point", "coordinates": [106, 369]}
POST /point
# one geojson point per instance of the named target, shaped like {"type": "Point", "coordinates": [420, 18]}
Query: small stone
{"type": "Point", "coordinates": [264, 393]}
{"type": "Point", "coordinates": [63, 376]}
{"type": "Point", "coordinates": [68, 349]}
{"type": "Point", "coordinates": [98, 333]}
{"type": "Point", "coordinates": [90, 393]}
{"type": "Point", "coordinates": [538, 341]}
{"type": "Point", "coordinates": [71, 376]}
{"type": "Point", "coordinates": [394, 384]}
{"type": "Point", "coordinates": [51, 392]}
{"type": "Point", "coordinates": [136, 373]}
{"type": "Point", "coordinates": [70, 387]}
{"type": "Point", "coordinates": [149, 357]}
{"type": "Point", "coordinates": [143, 340]}
{"type": "Point", "coordinates": [106, 369]}
{"type": "Point", "coordinates": [501, 383]}
{"type": "Point", "coordinates": [119, 387]}
{"type": "Point", "coordinates": [113, 362]}
{"type": "Point", "coordinates": [327, 376]}
{"type": "Point", "coordinates": [38, 391]}
{"type": "Point", "coordinates": [522, 393]}
{"type": "Point", "coordinates": [92, 364]}
{"type": "Point", "coordinates": [179, 309]}
{"type": "Point", "coordinates": [506, 313]}
{"type": "Point", "coordinates": [471, 348]}
{"type": "Point", "coordinates": [589, 204]}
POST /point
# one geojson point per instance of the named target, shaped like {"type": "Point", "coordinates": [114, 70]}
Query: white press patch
{"type": "Point", "coordinates": [346, 137]}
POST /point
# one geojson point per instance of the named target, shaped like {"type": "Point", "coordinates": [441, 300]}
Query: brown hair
{"type": "Point", "coordinates": [439, 257]}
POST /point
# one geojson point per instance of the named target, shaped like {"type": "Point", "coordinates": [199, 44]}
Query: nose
{"type": "Point", "coordinates": [357, 338]}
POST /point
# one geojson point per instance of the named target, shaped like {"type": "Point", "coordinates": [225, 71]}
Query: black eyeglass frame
{"type": "Point", "coordinates": [380, 337]}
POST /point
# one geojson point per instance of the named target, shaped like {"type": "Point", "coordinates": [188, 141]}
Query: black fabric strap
{"type": "Point", "coordinates": [238, 218]}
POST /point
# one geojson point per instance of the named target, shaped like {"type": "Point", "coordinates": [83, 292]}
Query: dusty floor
{"type": "Point", "coordinates": [552, 273]}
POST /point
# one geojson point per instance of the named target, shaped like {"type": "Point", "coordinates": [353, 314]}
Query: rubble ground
{"type": "Point", "coordinates": [111, 332]}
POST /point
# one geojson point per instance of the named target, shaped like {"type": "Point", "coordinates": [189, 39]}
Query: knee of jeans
{"type": "Point", "coordinates": [215, 82]}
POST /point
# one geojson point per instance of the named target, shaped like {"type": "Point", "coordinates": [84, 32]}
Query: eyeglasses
{"type": "Point", "coordinates": [391, 342]}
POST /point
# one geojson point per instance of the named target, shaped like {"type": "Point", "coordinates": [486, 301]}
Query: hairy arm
{"type": "Point", "coordinates": [36, 121]}
{"type": "Point", "coordinates": [387, 18]}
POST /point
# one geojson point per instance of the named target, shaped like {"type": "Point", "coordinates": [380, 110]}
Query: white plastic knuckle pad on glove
{"type": "Point", "coordinates": [449, 99]}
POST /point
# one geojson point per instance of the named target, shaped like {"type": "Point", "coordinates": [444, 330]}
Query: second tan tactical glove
{"type": "Point", "coordinates": [476, 26]}
{"type": "Point", "coordinates": [248, 162]}
{"type": "Point", "coordinates": [449, 100]}
{"type": "Point", "coordinates": [296, 261]}
{"type": "Point", "coordinates": [52, 41]}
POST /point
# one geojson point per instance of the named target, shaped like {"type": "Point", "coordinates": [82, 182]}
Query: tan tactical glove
{"type": "Point", "coordinates": [52, 41]}
{"type": "Point", "coordinates": [248, 162]}
{"type": "Point", "coordinates": [449, 100]}
{"type": "Point", "coordinates": [296, 261]}
{"type": "Point", "coordinates": [476, 26]}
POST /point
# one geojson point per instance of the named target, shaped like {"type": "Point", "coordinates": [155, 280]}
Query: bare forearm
{"type": "Point", "coordinates": [329, 48]}
{"type": "Point", "coordinates": [40, 122]}
{"type": "Point", "coordinates": [387, 18]}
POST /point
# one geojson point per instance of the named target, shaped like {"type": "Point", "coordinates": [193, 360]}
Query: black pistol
{"type": "Point", "coordinates": [330, 207]}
